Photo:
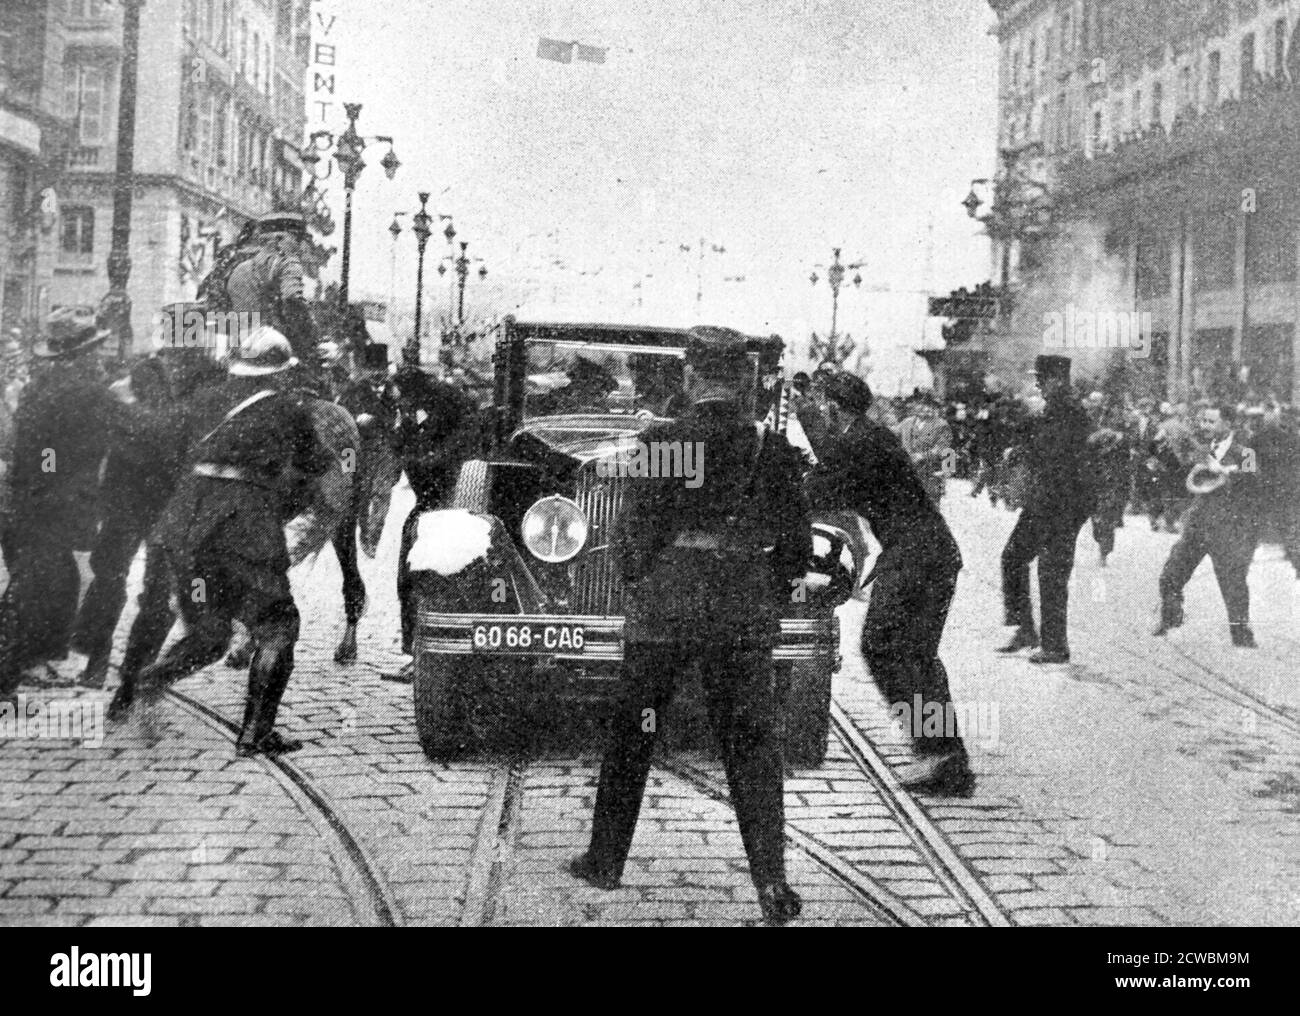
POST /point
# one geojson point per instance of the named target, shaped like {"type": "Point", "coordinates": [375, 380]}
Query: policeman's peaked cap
{"type": "Point", "coordinates": [281, 222]}
{"type": "Point", "coordinates": [848, 390]}
{"type": "Point", "coordinates": [717, 351]}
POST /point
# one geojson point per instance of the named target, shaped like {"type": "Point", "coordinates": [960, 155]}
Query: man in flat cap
{"type": "Point", "coordinates": [704, 589]}
{"type": "Point", "coordinates": [865, 469]}
{"type": "Point", "coordinates": [1058, 500]}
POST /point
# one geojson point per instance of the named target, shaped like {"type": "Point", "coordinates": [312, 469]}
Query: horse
{"type": "Point", "coordinates": [354, 492]}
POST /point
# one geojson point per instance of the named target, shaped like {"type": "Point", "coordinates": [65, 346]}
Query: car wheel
{"type": "Point", "coordinates": [441, 705]}
{"type": "Point", "coordinates": [807, 712]}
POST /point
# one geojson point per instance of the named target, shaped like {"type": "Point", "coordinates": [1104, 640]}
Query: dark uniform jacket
{"type": "Point", "coordinates": [867, 470]}
{"type": "Point", "coordinates": [440, 433]}
{"type": "Point", "coordinates": [1060, 480]}
{"type": "Point", "coordinates": [274, 446]}
{"type": "Point", "coordinates": [61, 435]}
{"type": "Point", "coordinates": [1236, 508]}
{"type": "Point", "coordinates": [751, 501]}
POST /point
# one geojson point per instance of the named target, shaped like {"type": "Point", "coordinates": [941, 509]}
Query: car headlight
{"type": "Point", "coordinates": [554, 529]}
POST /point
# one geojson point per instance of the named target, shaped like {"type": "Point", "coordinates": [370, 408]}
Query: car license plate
{"type": "Point", "coordinates": [535, 637]}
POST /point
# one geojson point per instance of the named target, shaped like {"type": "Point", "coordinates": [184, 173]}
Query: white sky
{"type": "Point", "coordinates": [775, 128]}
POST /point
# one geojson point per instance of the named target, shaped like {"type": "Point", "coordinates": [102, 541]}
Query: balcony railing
{"type": "Point", "coordinates": [84, 157]}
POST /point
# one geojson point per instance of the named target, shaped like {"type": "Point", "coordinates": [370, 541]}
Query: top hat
{"type": "Point", "coordinates": [1052, 367]}
{"type": "Point", "coordinates": [373, 357]}
{"type": "Point", "coordinates": [265, 352]}
{"type": "Point", "coordinates": [70, 331]}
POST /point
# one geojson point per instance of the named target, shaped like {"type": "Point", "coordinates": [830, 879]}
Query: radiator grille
{"type": "Point", "coordinates": [597, 588]}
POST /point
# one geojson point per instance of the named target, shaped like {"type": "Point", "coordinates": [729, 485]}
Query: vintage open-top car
{"type": "Point", "coordinates": [518, 589]}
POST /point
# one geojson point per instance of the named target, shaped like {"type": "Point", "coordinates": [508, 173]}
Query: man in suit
{"type": "Point", "coordinates": [1058, 501]}
{"type": "Point", "coordinates": [439, 429]}
{"type": "Point", "coordinates": [864, 468]}
{"type": "Point", "coordinates": [1223, 523]}
{"type": "Point", "coordinates": [703, 588]}
{"type": "Point", "coordinates": [221, 536]}
{"type": "Point", "coordinates": [62, 427]}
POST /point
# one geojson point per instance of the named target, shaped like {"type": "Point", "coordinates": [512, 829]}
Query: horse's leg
{"type": "Point", "coordinates": [354, 589]}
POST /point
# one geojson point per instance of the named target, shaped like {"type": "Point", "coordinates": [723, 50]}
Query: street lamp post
{"type": "Point", "coordinates": [421, 225]}
{"type": "Point", "coordinates": [116, 306]}
{"type": "Point", "coordinates": [835, 276]}
{"type": "Point", "coordinates": [348, 147]}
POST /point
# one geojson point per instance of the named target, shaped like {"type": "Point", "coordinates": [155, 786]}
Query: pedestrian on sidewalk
{"type": "Point", "coordinates": [1059, 499]}
{"type": "Point", "coordinates": [864, 468]}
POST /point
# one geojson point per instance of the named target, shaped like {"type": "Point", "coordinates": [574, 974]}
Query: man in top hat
{"type": "Point", "coordinates": [1058, 500]}
{"type": "Point", "coordinates": [264, 277]}
{"type": "Point", "coordinates": [865, 469]}
{"type": "Point", "coordinates": [221, 539]}
{"type": "Point", "coordinates": [704, 590]}
{"type": "Point", "coordinates": [62, 426]}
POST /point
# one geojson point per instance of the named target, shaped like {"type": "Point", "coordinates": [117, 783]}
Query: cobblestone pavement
{"type": "Point", "coordinates": [1150, 782]}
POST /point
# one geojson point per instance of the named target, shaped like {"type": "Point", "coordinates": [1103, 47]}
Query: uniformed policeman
{"type": "Point", "coordinates": [864, 468]}
{"type": "Point", "coordinates": [222, 536]}
{"type": "Point", "coordinates": [707, 567]}
{"type": "Point", "coordinates": [264, 277]}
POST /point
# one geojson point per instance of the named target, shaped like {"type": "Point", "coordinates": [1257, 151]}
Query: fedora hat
{"type": "Point", "coordinates": [69, 331]}
{"type": "Point", "coordinates": [281, 222]}
{"type": "Point", "coordinates": [265, 352]}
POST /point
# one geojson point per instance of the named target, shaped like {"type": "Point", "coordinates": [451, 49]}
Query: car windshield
{"type": "Point", "coordinates": [581, 377]}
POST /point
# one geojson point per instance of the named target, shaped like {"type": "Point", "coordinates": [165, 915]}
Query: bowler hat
{"type": "Point", "coordinates": [69, 331]}
{"type": "Point", "coordinates": [1054, 367]}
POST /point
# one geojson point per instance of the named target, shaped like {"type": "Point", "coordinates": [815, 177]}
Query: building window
{"type": "Point", "coordinates": [206, 115]}
{"type": "Point", "coordinates": [85, 8]}
{"type": "Point", "coordinates": [221, 132]}
{"type": "Point", "coordinates": [77, 233]}
{"type": "Point", "coordinates": [210, 20]}
{"type": "Point", "coordinates": [1137, 109]}
{"type": "Point", "coordinates": [1157, 105]}
{"type": "Point", "coordinates": [1279, 49]}
{"type": "Point", "coordinates": [85, 102]}
{"type": "Point", "coordinates": [1247, 64]}
{"type": "Point", "coordinates": [1212, 70]}
{"type": "Point", "coordinates": [257, 61]}
{"type": "Point", "coordinates": [266, 69]}
{"type": "Point", "coordinates": [1185, 96]}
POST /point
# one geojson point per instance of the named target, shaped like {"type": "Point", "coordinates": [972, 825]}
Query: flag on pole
{"type": "Point", "coordinates": [553, 49]}
{"type": "Point", "coordinates": [591, 54]}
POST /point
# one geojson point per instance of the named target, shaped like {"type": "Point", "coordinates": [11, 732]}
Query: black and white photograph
{"type": "Point", "coordinates": [691, 463]}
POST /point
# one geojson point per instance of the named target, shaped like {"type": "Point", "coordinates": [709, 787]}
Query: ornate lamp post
{"type": "Point", "coordinates": [462, 273]}
{"type": "Point", "coordinates": [835, 276]}
{"type": "Point", "coordinates": [115, 308]}
{"type": "Point", "coordinates": [421, 225]}
{"type": "Point", "coordinates": [348, 147]}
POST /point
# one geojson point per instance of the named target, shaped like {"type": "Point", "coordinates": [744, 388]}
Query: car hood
{"type": "Point", "coordinates": [583, 437]}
